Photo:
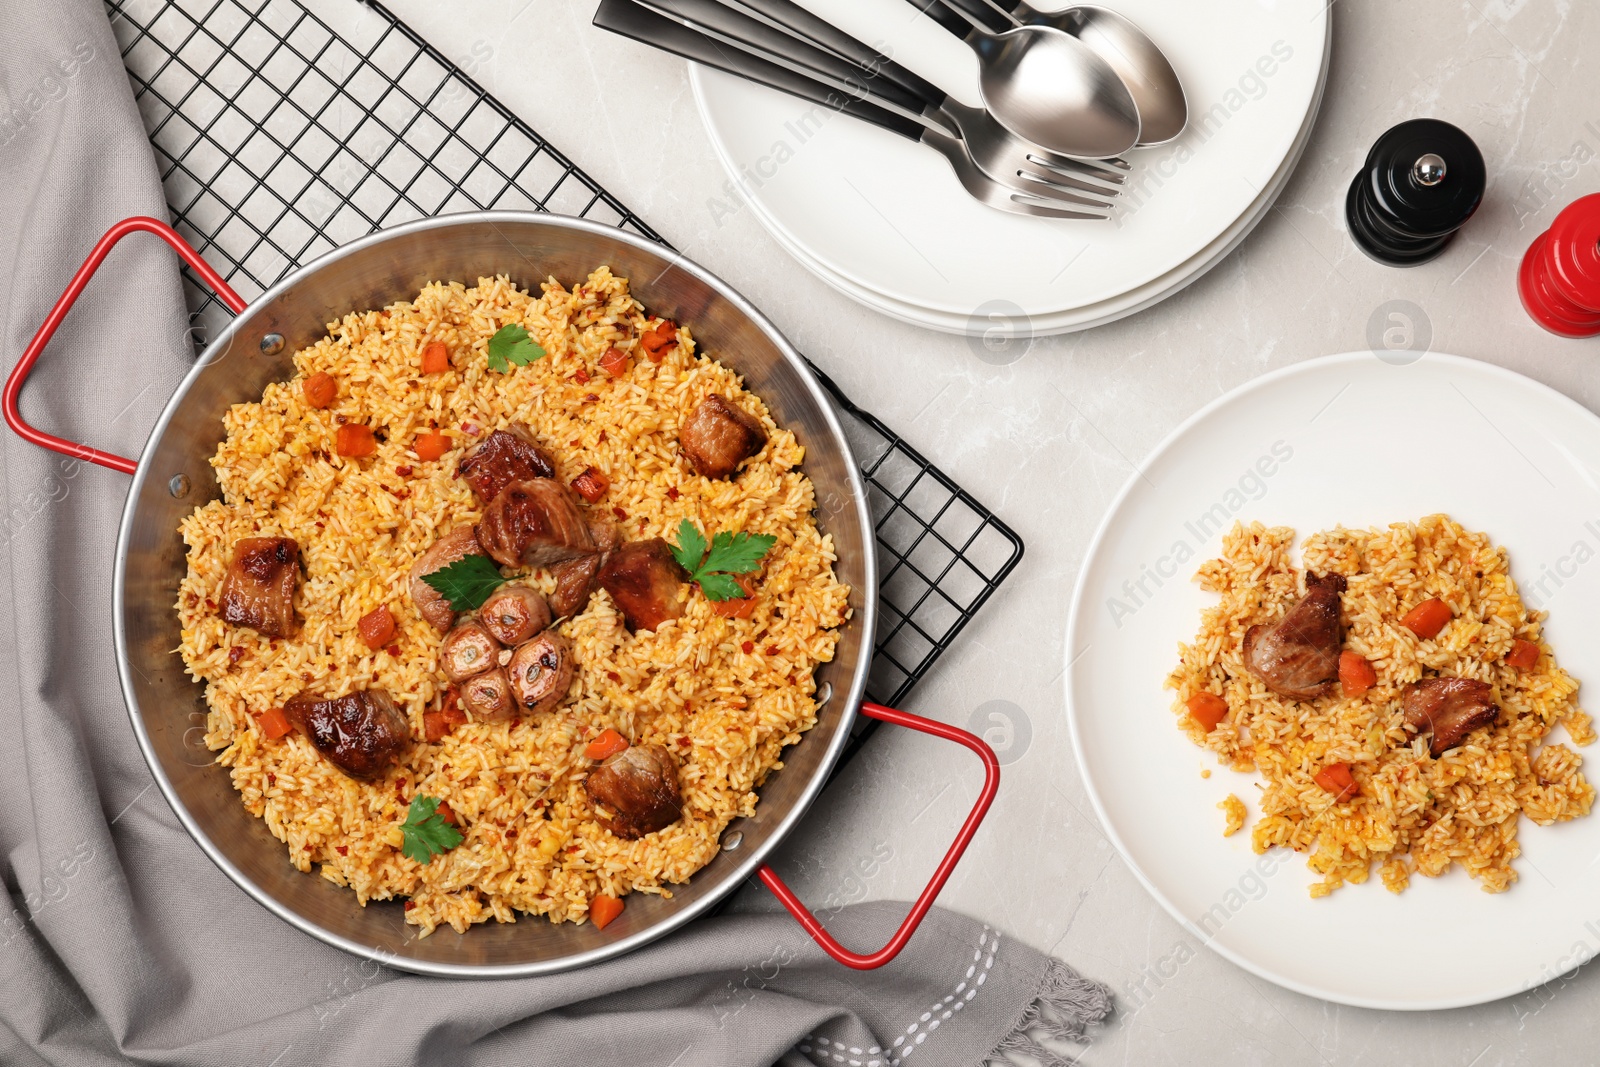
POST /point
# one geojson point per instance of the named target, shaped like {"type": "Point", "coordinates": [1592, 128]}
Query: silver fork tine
{"type": "Point", "coordinates": [1115, 169]}
{"type": "Point", "coordinates": [1024, 205]}
{"type": "Point", "coordinates": [1053, 190]}
{"type": "Point", "coordinates": [1088, 183]}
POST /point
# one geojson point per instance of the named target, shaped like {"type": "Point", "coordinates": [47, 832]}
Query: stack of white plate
{"type": "Point", "coordinates": [885, 222]}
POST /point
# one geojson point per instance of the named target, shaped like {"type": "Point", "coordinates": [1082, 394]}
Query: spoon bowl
{"type": "Point", "coordinates": [1051, 88]}
{"type": "Point", "coordinates": [1143, 67]}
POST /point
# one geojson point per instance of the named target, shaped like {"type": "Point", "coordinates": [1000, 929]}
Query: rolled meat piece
{"type": "Point", "coordinates": [513, 613]}
{"type": "Point", "coordinates": [467, 650]}
{"type": "Point", "coordinates": [541, 672]}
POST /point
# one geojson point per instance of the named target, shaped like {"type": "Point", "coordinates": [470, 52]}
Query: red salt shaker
{"type": "Point", "coordinates": [1560, 275]}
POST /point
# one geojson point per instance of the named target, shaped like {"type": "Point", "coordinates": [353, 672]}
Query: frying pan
{"type": "Point", "coordinates": [173, 476]}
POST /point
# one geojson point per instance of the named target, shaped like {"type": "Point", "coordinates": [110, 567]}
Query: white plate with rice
{"type": "Point", "coordinates": [1361, 442]}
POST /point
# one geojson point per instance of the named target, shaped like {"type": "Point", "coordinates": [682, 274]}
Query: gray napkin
{"type": "Point", "coordinates": [119, 940]}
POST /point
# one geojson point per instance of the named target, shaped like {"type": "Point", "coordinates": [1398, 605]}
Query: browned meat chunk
{"type": "Point", "coordinates": [258, 590]}
{"type": "Point", "coordinates": [574, 585]}
{"type": "Point", "coordinates": [534, 524]}
{"type": "Point", "coordinates": [514, 613]}
{"type": "Point", "coordinates": [467, 650]}
{"type": "Point", "coordinates": [504, 457]}
{"type": "Point", "coordinates": [640, 785]}
{"type": "Point", "coordinates": [575, 579]}
{"type": "Point", "coordinates": [541, 672]}
{"type": "Point", "coordinates": [604, 535]}
{"type": "Point", "coordinates": [431, 604]}
{"type": "Point", "coordinates": [362, 734]}
{"type": "Point", "coordinates": [1450, 707]}
{"type": "Point", "coordinates": [644, 580]}
{"type": "Point", "coordinates": [1298, 656]}
{"type": "Point", "coordinates": [488, 696]}
{"type": "Point", "coordinates": [718, 436]}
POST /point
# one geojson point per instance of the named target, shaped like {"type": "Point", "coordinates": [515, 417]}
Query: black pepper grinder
{"type": "Point", "coordinates": [1422, 180]}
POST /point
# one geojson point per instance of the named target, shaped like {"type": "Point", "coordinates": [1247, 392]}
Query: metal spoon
{"type": "Point", "coordinates": [1143, 67]}
{"type": "Point", "coordinates": [1050, 88]}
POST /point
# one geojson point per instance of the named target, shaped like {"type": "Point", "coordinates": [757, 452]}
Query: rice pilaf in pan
{"type": "Point", "coordinates": [476, 793]}
{"type": "Point", "coordinates": [1395, 693]}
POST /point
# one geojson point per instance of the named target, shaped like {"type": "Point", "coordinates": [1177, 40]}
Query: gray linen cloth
{"type": "Point", "coordinates": [119, 940]}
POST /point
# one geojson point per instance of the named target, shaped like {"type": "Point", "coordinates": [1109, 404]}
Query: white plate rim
{"type": "Point", "coordinates": [1074, 626]}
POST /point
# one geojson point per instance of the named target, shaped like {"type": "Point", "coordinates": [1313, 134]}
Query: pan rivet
{"type": "Point", "coordinates": [824, 694]}
{"type": "Point", "coordinates": [272, 344]}
{"type": "Point", "coordinates": [179, 486]}
{"type": "Point", "coordinates": [732, 841]}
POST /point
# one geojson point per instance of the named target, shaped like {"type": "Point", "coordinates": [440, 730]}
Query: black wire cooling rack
{"type": "Point", "coordinates": [279, 139]}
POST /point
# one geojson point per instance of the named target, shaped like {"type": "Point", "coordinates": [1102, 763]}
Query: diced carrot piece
{"type": "Point", "coordinates": [657, 341]}
{"type": "Point", "coordinates": [614, 362]}
{"type": "Point", "coordinates": [274, 723]}
{"type": "Point", "coordinates": [435, 358]}
{"type": "Point", "coordinates": [602, 909]}
{"type": "Point", "coordinates": [608, 744]}
{"type": "Point", "coordinates": [435, 724]}
{"type": "Point", "coordinates": [1336, 779]}
{"type": "Point", "coordinates": [1356, 675]}
{"type": "Point", "coordinates": [1427, 618]}
{"type": "Point", "coordinates": [1207, 709]}
{"type": "Point", "coordinates": [740, 607]}
{"type": "Point", "coordinates": [447, 813]}
{"type": "Point", "coordinates": [591, 484]}
{"type": "Point", "coordinates": [320, 389]}
{"type": "Point", "coordinates": [377, 627]}
{"type": "Point", "coordinates": [355, 440]}
{"type": "Point", "coordinates": [430, 446]}
{"type": "Point", "coordinates": [1523, 654]}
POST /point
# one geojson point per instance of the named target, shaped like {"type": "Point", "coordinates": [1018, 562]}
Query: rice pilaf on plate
{"type": "Point", "coordinates": [722, 691]}
{"type": "Point", "coordinates": [1367, 771]}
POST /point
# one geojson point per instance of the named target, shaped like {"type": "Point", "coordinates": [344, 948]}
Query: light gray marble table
{"type": "Point", "coordinates": [1049, 439]}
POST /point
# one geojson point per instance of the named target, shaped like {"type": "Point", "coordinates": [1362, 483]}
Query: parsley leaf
{"type": "Point", "coordinates": [425, 831]}
{"type": "Point", "coordinates": [729, 554]}
{"type": "Point", "coordinates": [720, 587]}
{"type": "Point", "coordinates": [737, 553]}
{"type": "Point", "coordinates": [511, 344]}
{"type": "Point", "coordinates": [467, 582]}
{"type": "Point", "coordinates": [691, 547]}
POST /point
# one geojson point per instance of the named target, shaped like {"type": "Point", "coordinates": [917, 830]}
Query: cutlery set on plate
{"type": "Point", "coordinates": [1064, 94]}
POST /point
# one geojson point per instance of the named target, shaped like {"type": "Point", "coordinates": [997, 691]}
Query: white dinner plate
{"type": "Point", "coordinates": [1362, 441]}
{"type": "Point", "coordinates": [887, 214]}
{"type": "Point", "coordinates": [1075, 319]}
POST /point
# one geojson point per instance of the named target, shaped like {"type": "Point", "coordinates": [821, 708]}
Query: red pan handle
{"type": "Point", "coordinates": [991, 784]}
{"type": "Point", "coordinates": [19, 374]}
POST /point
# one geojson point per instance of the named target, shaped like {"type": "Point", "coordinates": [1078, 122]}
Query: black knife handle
{"type": "Point", "coordinates": [725, 23]}
{"type": "Point", "coordinates": [628, 19]}
{"type": "Point", "coordinates": [944, 17]}
{"type": "Point", "coordinates": [791, 17]}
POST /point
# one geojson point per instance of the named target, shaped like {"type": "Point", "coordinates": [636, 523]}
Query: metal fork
{"type": "Point", "coordinates": [1037, 189]}
{"type": "Point", "coordinates": [785, 33]}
